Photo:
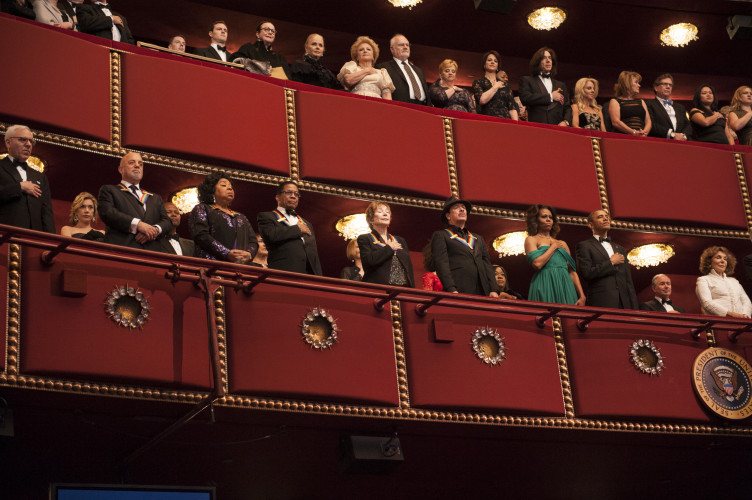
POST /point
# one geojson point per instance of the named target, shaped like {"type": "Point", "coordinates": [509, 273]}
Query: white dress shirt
{"type": "Point", "coordinates": [107, 12]}
{"type": "Point", "coordinates": [222, 53]}
{"type": "Point", "coordinates": [416, 94]}
{"type": "Point", "coordinates": [671, 114]}
{"type": "Point", "coordinates": [606, 246]}
{"type": "Point", "coordinates": [720, 294]}
{"type": "Point", "coordinates": [549, 86]}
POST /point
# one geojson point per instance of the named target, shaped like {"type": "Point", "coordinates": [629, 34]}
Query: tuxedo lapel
{"type": "Point", "coordinates": [662, 112]}
{"type": "Point", "coordinates": [398, 71]}
{"type": "Point", "coordinates": [11, 170]}
{"type": "Point", "coordinates": [599, 248]}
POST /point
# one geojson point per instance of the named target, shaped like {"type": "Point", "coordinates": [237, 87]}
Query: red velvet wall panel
{"type": "Point", "coordinates": [641, 177]}
{"type": "Point", "coordinates": [42, 93]}
{"type": "Point", "coordinates": [360, 142]}
{"type": "Point", "coordinates": [269, 357]}
{"type": "Point", "coordinates": [450, 375]}
{"type": "Point", "coordinates": [184, 109]}
{"type": "Point", "coordinates": [506, 164]}
{"type": "Point", "coordinates": [66, 336]}
{"type": "Point", "coordinates": [606, 384]}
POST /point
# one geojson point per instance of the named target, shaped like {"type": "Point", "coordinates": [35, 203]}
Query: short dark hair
{"type": "Point", "coordinates": [531, 219]}
{"type": "Point", "coordinates": [215, 23]}
{"type": "Point", "coordinates": [485, 56]}
{"type": "Point", "coordinates": [591, 215]}
{"type": "Point", "coordinates": [281, 185]}
{"type": "Point", "coordinates": [662, 77]}
{"type": "Point", "coordinates": [504, 271]}
{"type": "Point", "coordinates": [696, 99]}
{"type": "Point", "coordinates": [175, 36]}
{"type": "Point", "coordinates": [259, 25]}
{"type": "Point", "coordinates": [538, 57]}
{"type": "Point", "coordinates": [209, 184]}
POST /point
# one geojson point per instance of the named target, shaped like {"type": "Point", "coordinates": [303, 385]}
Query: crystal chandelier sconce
{"type": "Point", "coordinates": [185, 199]}
{"type": "Point", "coordinates": [405, 3]}
{"type": "Point", "coordinates": [352, 226]}
{"type": "Point", "coordinates": [679, 35]}
{"type": "Point", "coordinates": [650, 255]}
{"type": "Point", "coordinates": [510, 243]}
{"type": "Point", "coordinates": [546, 18]}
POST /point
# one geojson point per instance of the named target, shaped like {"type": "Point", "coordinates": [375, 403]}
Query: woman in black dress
{"type": "Point", "coordinates": [445, 94]}
{"type": "Point", "coordinates": [219, 232]}
{"type": "Point", "coordinates": [385, 257]}
{"type": "Point", "coordinates": [492, 95]}
{"type": "Point", "coordinates": [740, 115]}
{"type": "Point", "coordinates": [83, 213]}
{"type": "Point", "coordinates": [504, 291]}
{"type": "Point", "coordinates": [708, 124]}
{"type": "Point", "coordinates": [629, 114]}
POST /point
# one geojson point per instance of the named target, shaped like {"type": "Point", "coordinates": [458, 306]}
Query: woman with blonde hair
{"type": "Point", "coordinates": [385, 257]}
{"type": "Point", "coordinates": [360, 76]}
{"type": "Point", "coordinates": [83, 213]}
{"type": "Point", "coordinates": [720, 294]}
{"type": "Point", "coordinates": [740, 116]}
{"type": "Point", "coordinates": [445, 94]}
{"type": "Point", "coordinates": [629, 114]}
{"type": "Point", "coordinates": [586, 112]}
{"type": "Point", "coordinates": [354, 272]}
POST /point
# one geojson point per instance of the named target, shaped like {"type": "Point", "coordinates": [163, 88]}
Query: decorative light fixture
{"type": "Point", "coordinates": [185, 199]}
{"type": "Point", "coordinates": [679, 35]}
{"type": "Point", "coordinates": [489, 346]}
{"type": "Point", "coordinates": [34, 162]}
{"type": "Point", "coordinates": [510, 243]}
{"type": "Point", "coordinates": [646, 357]}
{"type": "Point", "coordinates": [546, 18]}
{"type": "Point", "coordinates": [650, 255]}
{"type": "Point", "coordinates": [352, 226]}
{"type": "Point", "coordinates": [405, 3]}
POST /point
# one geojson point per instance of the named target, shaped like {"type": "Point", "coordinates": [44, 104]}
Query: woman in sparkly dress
{"type": "Point", "coordinates": [586, 112]}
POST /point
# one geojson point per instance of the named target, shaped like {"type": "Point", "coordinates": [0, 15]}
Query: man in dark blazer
{"type": "Point", "coordinates": [661, 286]}
{"type": "Point", "coordinates": [461, 257]}
{"type": "Point", "coordinates": [546, 99]}
{"type": "Point", "coordinates": [409, 80]}
{"type": "Point", "coordinates": [25, 199]}
{"type": "Point", "coordinates": [288, 237]}
{"type": "Point", "coordinates": [99, 20]}
{"type": "Point", "coordinates": [217, 49]}
{"type": "Point", "coordinates": [603, 265]}
{"type": "Point", "coordinates": [134, 217]}
{"type": "Point", "coordinates": [173, 243]}
{"type": "Point", "coordinates": [669, 118]}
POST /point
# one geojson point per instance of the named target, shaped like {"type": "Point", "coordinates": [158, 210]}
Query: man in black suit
{"type": "Point", "coordinates": [288, 237]}
{"type": "Point", "coordinates": [409, 81]}
{"type": "Point", "coordinates": [669, 118]}
{"type": "Point", "coordinates": [661, 285]}
{"type": "Point", "coordinates": [25, 199]}
{"type": "Point", "coordinates": [172, 242]}
{"type": "Point", "coordinates": [217, 49]}
{"type": "Point", "coordinates": [546, 99]}
{"type": "Point", "coordinates": [99, 20]}
{"type": "Point", "coordinates": [461, 258]}
{"type": "Point", "coordinates": [134, 217]}
{"type": "Point", "coordinates": [70, 7]}
{"type": "Point", "coordinates": [602, 264]}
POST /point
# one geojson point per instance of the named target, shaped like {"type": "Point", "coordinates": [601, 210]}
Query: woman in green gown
{"type": "Point", "coordinates": [555, 279]}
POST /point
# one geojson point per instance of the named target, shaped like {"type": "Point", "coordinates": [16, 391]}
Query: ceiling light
{"type": "Point", "coordinates": [185, 199]}
{"type": "Point", "coordinates": [679, 35]}
{"type": "Point", "coordinates": [352, 226]}
{"type": "Point", "coordinates": [510, 243]}
{"type": "Point", "coordinates": [405, 3]}
{"type": "Point", "coordinates": [34, 162]}
{"type": "Point", "coordinates": [650, 255]}
{"type": "Point", "coordinates": [546, 18]}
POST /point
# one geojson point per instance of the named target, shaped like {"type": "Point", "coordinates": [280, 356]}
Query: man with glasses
{"type": "Point", "coordinates": [261, 50]}
{"type": "Point", "coordinates": [288, 237]}
{"type": "Point", "coordinates": [669, 118]}
{"type": "Point", "coordinates": [217, 49]}
{"type": "Point", "coordinates": [25, 199]}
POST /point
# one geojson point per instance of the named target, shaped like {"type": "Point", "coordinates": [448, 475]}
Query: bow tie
{"type": "Point", "coordinates": [223, 49]}
{"type": "Point", "coordinates": [292, 213]}
{"type": "Point", "coordinates": [18, 163]}
{"type": "Point", "coordinates": [545, 75]}
{"type": "Point", "coordinates": [668, 102]}
{"type": "Point", "coordinates": [175, 237]}
{"type": "Point", "coordinates": [602, 239]}
{"type": "Point", "coordinates": [666, 301]}
{"type": "Point", "coordinates": [102, 6]}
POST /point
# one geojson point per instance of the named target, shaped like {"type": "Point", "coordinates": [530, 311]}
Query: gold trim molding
{"type": "Point", "coordinates": [219, 318]}
{"type": "Point", "coordinates": [13, 332]}
{"type": "Point", "coordinates": [600, 173]}
{"type": "Point", "coordinates": [115, 99]}
{"type": "Point", "coordinates": [292, 134]}
{"type": "Point", "coordinates": [561, 357]}
{"type": "Point", "coordinates": [451, 160]}
{"type": "Point", "coordinates": [744, 188]}
{"type": "Point", "coordinates": [399, 354]}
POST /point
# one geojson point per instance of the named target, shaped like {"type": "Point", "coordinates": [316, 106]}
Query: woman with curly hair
{"type": "Point", "coordinates": [83, 213]}
{"type": "Point", "coordinates": [720, 294]}
{"type": "Point", "coordinates": [586, 112]}
{"type": "Point", "coordinates": [360, 76]}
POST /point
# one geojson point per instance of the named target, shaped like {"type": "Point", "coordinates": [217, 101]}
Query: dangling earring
{"type": "Point", "coordinates": [214, 199]}
{"type": "Point", "coordinates": [75, 218]}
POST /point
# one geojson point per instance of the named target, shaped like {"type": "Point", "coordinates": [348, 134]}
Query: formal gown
{"type": "Point", "coordinates": [553, 283]}
{"type": "Point", "coordinates": [715, 133]}
{"type": "Point", "coordinates": [461, 100]}
{"type": "Point", "coordinates": [216, 232]}
{"type": "Point", "coordinates": [371, 85]}
{"type": "Point", "coordinates": [632, 113]}
{"type": "Point", "coordinates": [745, 134]}
{"type": "Point", "coordinates": [432, 282]}
{"type": "Point", "coordinates": [500, 104]}
{"type": "Point", "coordinates": [590, 121]}
{"type": "Point", "coordinates": [92, 235]}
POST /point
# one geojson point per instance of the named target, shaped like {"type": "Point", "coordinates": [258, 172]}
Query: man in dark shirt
{"type": "Point", "coordinates": [309, 69]}
{"type": "Point", "coordinates": [261, 49]}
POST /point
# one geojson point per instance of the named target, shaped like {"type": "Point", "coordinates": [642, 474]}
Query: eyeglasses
{"type": "Point", "coordinates": [296, 194]}
{"type": "Point", "coordinates": [25, 140]}
{"type": "Point", "coordinates": [269, 30]}
{"type": "Point", "coordinates": [668, 84]}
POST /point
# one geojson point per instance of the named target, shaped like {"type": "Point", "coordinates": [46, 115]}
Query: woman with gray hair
{"type": "Point", "coordinates": [385, 257]}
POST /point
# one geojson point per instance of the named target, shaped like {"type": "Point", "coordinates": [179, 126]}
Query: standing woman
{"type": "Point", "coordinates": [718, 292]}
{"type": "Point", "coordinates": [359, 76]}
{"type": "Point", "coordinates": [740, 116]}
{"type": "Point", "coordinates": [586, 112]}
{"type": "Point", "coordinates": [48, 12]}
{"type": "Point", "coordinates": [708, 124]}
{"type": "Point", "coordinates": [83, 213]}
{"type": "Point", "coordinates": [629, 113]}
{"type": "Point", "coordinates": [492, 94]}
{"type": "Point", "coordinates": [354, 272]}
{"type": "Point", "coordinates": [445, 94]}
{"type": "Point", "coordinates": [385, 257]}
{"type": "Point", "coordinates": [555, 279]}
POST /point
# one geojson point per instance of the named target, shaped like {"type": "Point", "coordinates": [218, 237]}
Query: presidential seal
{"type": "Point", "coordinates": [723, 381]}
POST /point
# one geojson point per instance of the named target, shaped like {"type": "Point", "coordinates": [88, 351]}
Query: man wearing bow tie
{"type": "Point", "coordinates": [217, 49]}
{"type": "Point", "coordinates": [99, 20]}
{"type": "Point", "coordinates": [173, 243]}
{"type": "Point", "coordinates": [603, 266]}
{"type": "Point", "coordinates": [661, 285]}
{"type": "Point", "coordinates": [25, 199]}
{"type": "Point", "coordinates": [669, 118]}
{"type": "Point", "coordinates": [546, 98]}
{"type": "Point", "coordinates": [134, 217]}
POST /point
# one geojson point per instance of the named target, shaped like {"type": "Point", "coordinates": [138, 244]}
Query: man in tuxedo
{"type": "Point", "coordinates": [70, 7]}
{"type": "Point", "coordinates": [25, 199]}
{"type": "Point", "coordinates": [546, 99]}
{"type": "Point", "coordinates": [217, 49]}
{"type": "Point", "coordinates": [602, 264]}
{"type": "Point", "coordinates": [288, 237]}
{"type": "Point", "coordinates": [661, 286]}
{"type": "Point", "coordinates": [99, 20]}
{"type": "Point", "coordinates": [134, 217]}
{"type": "Point", "coordinates": [173, 243]}
{"type": "Point", "coordinates": [177, 43]}
{"type": "Point", "coordinates": [461, 257]}
{"type": "Point", "coordinates": [669, 118]}
{"type": "Point", "coordinates": [409, 81]}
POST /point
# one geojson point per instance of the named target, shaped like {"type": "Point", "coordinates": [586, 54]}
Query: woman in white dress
{"type": "Point", "coordinates": [718, 293]}
{"type": "Point", "coordinates": [359, 76]}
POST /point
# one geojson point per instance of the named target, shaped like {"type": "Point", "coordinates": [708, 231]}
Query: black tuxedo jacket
{"type": "Point", "coordinates": [92, 20]}
{"type": "Point", "coordinates": [401, 87]}
{"type": "Point", "coordinates": [377, 259]}
{"type": "Point", "coordinates": [654, 305]}
{"type": "Point", "coordinates": [607, 285]}
{"type": "Point", "coordinates": [187, 246]}
{"type": "Point", "coordinates": [461, 268]}
{"type": "Point", "coordinates": [118, 207]}
{"type": "Point", "coordinates": [20, 209]}
{"type": "Point", "coordinates": [287, 251]}
{"type": "Point", "coordinates": [662, 123]}
{"type": "Point", "coordinates": [537, 100]}
{"type": "Point", "coordinates": [210, 52]}
{"type": "Point", "coordinates": [12, 7]}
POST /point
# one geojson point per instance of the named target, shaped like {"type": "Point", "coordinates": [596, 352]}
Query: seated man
{"type": "Point", "coordinates": [173, 243]}
{"type": "Point", "coordinates": [99, 20]}
{"type": "Point", "coordinates": [661, 285]}
{"type": "Point", "coordinates": [217, 49]}
{"type": "Point", "coordinates": [177, 43]}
